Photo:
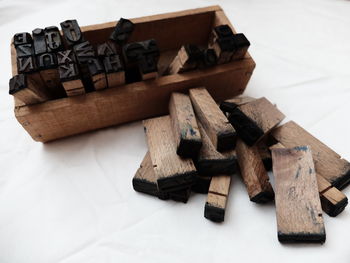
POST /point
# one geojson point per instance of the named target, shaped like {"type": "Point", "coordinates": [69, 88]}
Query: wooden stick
{"type": "Point", "coordinates": [173, 173]}
{"type": "Point", "coordinates": [216, 125]}
{"type": "Point", "coordinates": [333, 201]}
{"type": "Point", "coordinates": [328, 163]}
{"type": "Point", "coordinates": [186, 133]}
{"type": "Point", "coordinates": [145, 181]}
{"type": "Point", "coordinates": [114, 71]}
{"type": "Point", "coordinates": [229, 105]}
{"type": "Point", "coordinates": [253, 173]}
{"type": "Point", "coordinates": [25, 90]}
{"type": "Point", "coordinates": [298, 207]}
{"type": "Point", "coordinates": [255, 119]}
{"type": "Point", "coordinates": [210, 162]}
{"type": "Point", "coordinates": [186, 59]}
{"type": "Point", "coordinates": [217, 198]}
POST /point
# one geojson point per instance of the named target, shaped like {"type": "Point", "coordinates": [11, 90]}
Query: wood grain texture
{"type": "Point", "coordinates": [328, 163]}
{"type": "Point", "coordinates": [172, 171]}
{"type": "Point", "coordinates": [255, 119]}
{"type": "Point", "coordinates": [253, 173]}
{"type": "Point", "coordinates": [298, 207]}
{"type": "Point", "coordinates": [265, 154]}
{"type": "Point", "coordinates": [211, 162]}
{"type": "Point", "coordinates": [137, 101]}
{"type": "Point", "coordinates": [217, 198]}
{"type": "Point", "coordinates": [333, 201]}
{"type": "Point", "coordinates": [215, 123]}
{"type": "Point", "coordinates": [230, 105]}
{"type": "Point", "coordinates": [186, 133]}
{"type": "Point", "coordinates": [145, 181]}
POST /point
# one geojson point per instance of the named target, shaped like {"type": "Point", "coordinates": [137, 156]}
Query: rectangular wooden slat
{"type": "Point", "coordinates": [186, 133]}
{"type": "Point", "coordinates": [328, 163]}
{"type": "Point", "coordinates": [172, 171]}
{"type": "Point", "coordinates": [217, 198]}
{"type": "Point", "coordinates": [145, 181]}
{"type": "Point", "coordinates": [215, 123]}
{"type": "Point", "coordinates": [333, 201]}
{"type": "Point", "coordinates": [254, 120]}
{"type": "Point", "coordinates": [253, 173]}
{"type": "Point", "coordinates": [211, 162]}
{"type": "Point", "coordinates": [298, 207]}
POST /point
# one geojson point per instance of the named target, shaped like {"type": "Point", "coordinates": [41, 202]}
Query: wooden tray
{"type": "Point", "coordinates": [136, 101]}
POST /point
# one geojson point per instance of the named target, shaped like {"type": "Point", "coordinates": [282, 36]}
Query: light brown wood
{"type": "Point", "coordinates": [217, 198]}
{"type": "Point", "coordinates": [136, 101]}
{"type": "Point", "coordinates": [27, 91]}
{"type": "Point", "coordinates": [181, 63]}
{"type": "Point", "coordinates": [99, 81]}
{"type": "Point", "coordinates": [73, 87]}
{"type": "Point", "coordinates": [211, 162]}
{"type": "Point", "coordinates": [215, 123]}
{"type": "Point", "coordinates": [186, 133]}
{"type": "Point", "coordinates": [145, 181]}
{"type": "Point", "coordinates": [115, 79]}
{"type": "Point", "coordinates": [328, 163]}
{"type": "Point", "coordinates": [172, 171]}
{"type": "Point", "coordinates": [253, 173]}
{"type": "Point", "coordinates": [333, 201]}
{"type": "Point", "coordinates": [241, 100]}
{"type": "Point", "coordinates": [151, 75]}
{"type": "Point", "coordinates": [263, 112]}
{"type": "Point", "coordinates": [298, 207]}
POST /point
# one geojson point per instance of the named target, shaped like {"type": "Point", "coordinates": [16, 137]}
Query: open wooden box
{"type": "Point", "coordinates": [140, 100]}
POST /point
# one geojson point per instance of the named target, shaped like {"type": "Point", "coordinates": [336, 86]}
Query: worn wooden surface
{"type": "Point", "coordinates": [265, 154]}
{"type": "Point", "coordinates": [333, 201]}
{"type": "Point", "coordinates": [186, 132]}
{"type": "Point", "coordinates": [255, 119]}
{"type": "Point", "coordinates": [253, 173]}
{"type": "Point", "coordinates": [328, 163]}
{"type": "Point", "coordinates": [217, 198]}
{"type": "Point", "coordinates": [145, 181]}
{"type": "Point", "coordinates": [172, 171]}
{"type": "Point", "coordinates": [298, 207]}
{"type": "Point", "coordinates": [214, 122]}
{"type": "Point", "coordinates": [136, 101]}
{"type": "Point", "coordinates": [211, 162]}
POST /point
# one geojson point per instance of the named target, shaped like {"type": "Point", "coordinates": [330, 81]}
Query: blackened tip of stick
{"type": "Point", "coordinates": [228, 107]}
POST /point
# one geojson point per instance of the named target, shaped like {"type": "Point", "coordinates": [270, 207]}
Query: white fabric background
{"type": "Point", "coordinates": [72, 200]}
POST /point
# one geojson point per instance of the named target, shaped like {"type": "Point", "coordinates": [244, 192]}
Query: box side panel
{"type": "Point", "coordinates": [137, 101]}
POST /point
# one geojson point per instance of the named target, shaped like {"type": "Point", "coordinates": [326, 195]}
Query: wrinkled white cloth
{"type": "Point", "coordinates": [72, 200]}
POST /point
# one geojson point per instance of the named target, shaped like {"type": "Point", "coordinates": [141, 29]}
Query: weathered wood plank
{"type": "Point", "coordinates": [333, 201]}
{"type": "Point", "coordinates": [254, 120]}
{"type": "Point", "coordinates": [186, 133]}
{"type": "Point", "coordinates": [145, 181]}
{"type": "Point", "coordinates": [172, 171]}
{"type": "Point", "coordinates": [298, 207]}
{"type": "Point", "coordinates": [217, 198]}
{"type": "Point", "coordinates": [328, 163]}
{"type": "Point", "coordinates": [253, 173]}
{"type": "Point", "coordinates": [215, 123]}
{"type": "Point", "coordinates": [211, 162]}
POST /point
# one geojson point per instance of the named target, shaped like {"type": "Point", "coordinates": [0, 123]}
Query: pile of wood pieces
{"type": "Point", "coordinates": [53, 66]}
{"type": "Point", "coordinates": [200, 145]}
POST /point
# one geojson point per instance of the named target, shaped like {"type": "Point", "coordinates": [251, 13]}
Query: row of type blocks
{"type": "Point", "coordinates": [56, 67]}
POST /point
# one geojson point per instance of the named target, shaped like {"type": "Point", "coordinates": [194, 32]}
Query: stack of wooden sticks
{"type": "Point", "coordinates": [201, 145]}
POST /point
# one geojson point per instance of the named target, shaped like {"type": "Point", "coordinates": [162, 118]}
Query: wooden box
{"type": "Point", "coordinates": [140, 100]}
